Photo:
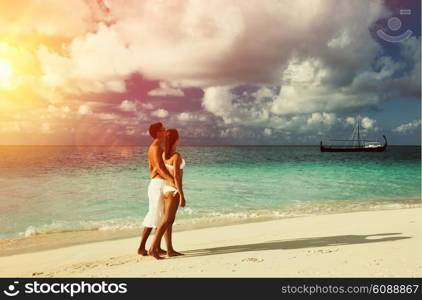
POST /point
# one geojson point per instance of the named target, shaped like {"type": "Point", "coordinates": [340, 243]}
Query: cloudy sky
{"type": "Point", "coordinates": [221, 71]}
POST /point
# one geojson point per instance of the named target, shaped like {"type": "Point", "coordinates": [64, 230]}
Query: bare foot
{"type": "Point", "coordinates": [142, 251]}
{"type": "Point", "coordinates": [154, 253]}
{"type": "Point", "coordinates": [174, 253]}
{"type": "Point", "coordinates": [162, 252]}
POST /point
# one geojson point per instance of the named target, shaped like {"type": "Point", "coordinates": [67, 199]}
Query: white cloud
{"type": "Point", "coordinates": [410, 83]}
{"type": "Point", "coordinates": [253, 110]}
{"type": "Point", "coordinates": [304, 128]}
{"type": "Point", "coordinates": [166, 90]}
{"type": "Point", "coordinates": [117, 86]}
{"type": "Point", "coordinates": [230, 132]}
{"type": "Point", "coordinates": [186, 116]}
{"type": "Point", "coordinates": [219, 101]}
{"type": "Point", "coordinates": [311, 85]}
{"type": "Point", "coordinates": [45, 127]}
{"type": "Point", "coordinates": [264, 44]}
{"type": "Point", "coordinates": [84, 109]}
{"type": "Point", "coordinates": [343, 71]}
{"type": "Point", "coordinates": [341, 40]}
{"type": "Point", "coordinates": [54, 67]}
{"type": "Point", "coordinates": [268, 131]}
{"type": "Point", "coordinates": [232, 109]}
{"type": "Point", "coordinates": [130, 130]}
{"type": "Point", "coordinates": [52, 108]}
{"type": "Point", "coordinates": [324, 118]}
{"type": "Point", "coordinates": [64, 111]}
{"type": "Point", "coordinates": [408, 127]}
{"type": "Point", "coordinates": [148, 106]}
{"type": "Point", "coordinates": [350, 121]}
{"type": "Point", "coordinates": [141, 116]}
{"type": "Point", "coordinates": [107, 116]}
{"type": "Point", "coordinates": [189, 44]}
{"type": "Point", "coordinates": [128, 105]}
{"type": "Point", "coordinates": [367, 123]}
{"type": "Point", "coordinates": [199, 132]}
{"type": "Point", "coordinates": [11, 126]}
{"type": "Point", "coordinates": [161, 113]}
{"type": "Point", "coordinates": [45, 17]}
{"type": "Point", "coordinates": [96, 63]}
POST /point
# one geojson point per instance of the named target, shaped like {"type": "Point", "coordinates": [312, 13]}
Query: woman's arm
{"type": "Point", "coordinates": [158, 162]}
{"type": "Point", "coordinates": [178, 178]}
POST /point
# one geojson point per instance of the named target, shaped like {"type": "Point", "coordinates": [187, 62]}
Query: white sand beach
{"type": "Point", "coordinates": [383, 243]}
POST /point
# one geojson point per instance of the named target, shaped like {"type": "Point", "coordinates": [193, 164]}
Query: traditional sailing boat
{"type": "Point", "coordinates": [356, 144]}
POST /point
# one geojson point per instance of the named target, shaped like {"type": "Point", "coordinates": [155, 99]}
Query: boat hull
{"type": "Point", "coordinates": [354, 149]}
{"type": "Point", "coordinates": [332, 149]}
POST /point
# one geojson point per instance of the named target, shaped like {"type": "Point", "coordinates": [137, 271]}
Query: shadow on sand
{"type": "Point", "coordinates": [327, 241]}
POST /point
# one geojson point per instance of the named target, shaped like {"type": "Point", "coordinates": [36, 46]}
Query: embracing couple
{"type": "Point", "coordinates": [165, 190]}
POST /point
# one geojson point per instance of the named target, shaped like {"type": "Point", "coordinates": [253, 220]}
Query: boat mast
{"type": "Point", "coordinates": [358, 134]}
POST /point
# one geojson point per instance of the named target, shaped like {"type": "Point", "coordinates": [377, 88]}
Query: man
{"type": "Point", "coordinates": [159, 174]}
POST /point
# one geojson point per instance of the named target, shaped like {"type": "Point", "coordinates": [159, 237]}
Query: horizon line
{"type": "Point", "coordinates": [201, 145]}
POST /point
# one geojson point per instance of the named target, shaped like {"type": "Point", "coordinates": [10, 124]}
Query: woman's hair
{"type": "Point", "coordinates": [171, 137]}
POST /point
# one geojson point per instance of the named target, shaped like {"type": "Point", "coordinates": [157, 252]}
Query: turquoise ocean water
{"type": "Point", "coordinates": [47, 189]}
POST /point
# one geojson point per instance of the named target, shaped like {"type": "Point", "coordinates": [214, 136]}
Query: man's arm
{"type": "Point", "coordinates": [158, 163]}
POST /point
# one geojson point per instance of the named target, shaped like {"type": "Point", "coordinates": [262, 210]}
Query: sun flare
{"type": "Point", "coordinates": [5, 73]}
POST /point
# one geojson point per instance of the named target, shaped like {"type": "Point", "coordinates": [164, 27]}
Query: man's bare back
{"type": "Point", "coordinates": [153, 166]}
{"type": "Point", "coordinates": [157, 169]}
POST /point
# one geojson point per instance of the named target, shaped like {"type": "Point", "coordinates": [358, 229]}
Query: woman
{"type": "Point", "coordinates": [173, 195]}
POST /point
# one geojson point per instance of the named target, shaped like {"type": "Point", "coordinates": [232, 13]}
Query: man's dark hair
{"type": "Point", "coordinates": [154, 128]}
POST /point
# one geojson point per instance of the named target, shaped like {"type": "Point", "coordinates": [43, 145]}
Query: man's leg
{"type": "Point", "coordinates": [144, 237]}
{"type": "Point", "coordinates": [156, 205]}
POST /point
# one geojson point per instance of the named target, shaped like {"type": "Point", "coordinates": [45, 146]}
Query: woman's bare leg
{"type": "Point", "coordinates": [161, 251]}
{"type": "Point", "coordinates": [170, 208]}
{"type": "Point", "coordinates": [168, 237]}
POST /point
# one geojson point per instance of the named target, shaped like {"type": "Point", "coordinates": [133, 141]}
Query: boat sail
{"type": "Point", "coordinates": [354, 144]}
